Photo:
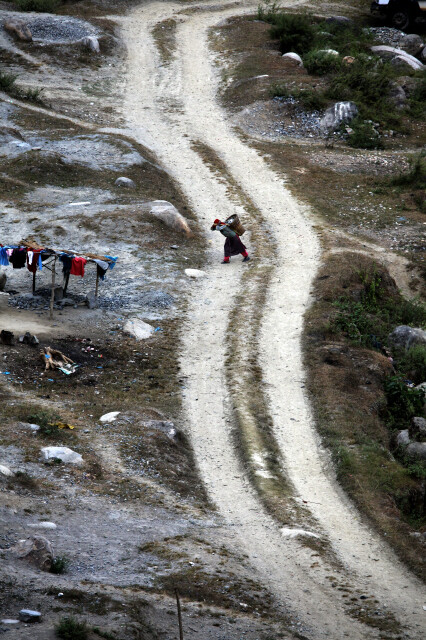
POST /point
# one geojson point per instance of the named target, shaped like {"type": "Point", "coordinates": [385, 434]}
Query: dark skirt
{"type": "Point", "coordinates": [233, 246]}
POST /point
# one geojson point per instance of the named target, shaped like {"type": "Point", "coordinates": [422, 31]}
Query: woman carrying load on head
{"type": "Point", "coordinates": [233, 245]}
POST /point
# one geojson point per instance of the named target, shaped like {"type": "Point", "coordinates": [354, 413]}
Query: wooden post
{"type": "Point", "coordinates": [52, 295]}
{"type": "Point", "coordinates": [97, 282]}
{"type": "Point", "coordinates": [179, 615]}
{"type": "Point", "coordinates": [34, 282]}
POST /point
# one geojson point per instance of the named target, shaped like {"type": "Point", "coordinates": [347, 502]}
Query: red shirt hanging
{"type": "Point", "coordinates": [77, 266]}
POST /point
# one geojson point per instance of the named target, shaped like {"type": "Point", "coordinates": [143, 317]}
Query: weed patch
{"type": "Point", "coordinates": [71, 629]}
{"type": "Point", "coordinates": [60, 565]}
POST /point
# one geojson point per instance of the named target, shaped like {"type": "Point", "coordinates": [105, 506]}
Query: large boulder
{"type": "Point", "coordinates": [19, 30]}
{"type": "Point", "coordinates": [403, 438]}
{"type": "Point", "coordinates": [61, 453]}
{"type": "Point", "coordinates": [422, 55]}
{"type": "Point", "coordinates": [405, 337]}
{"type": "Point", "coordinates": [397, 95]}
{"type": "Point", "coordinates": [418, 428]}
{"type": "Point", "coordinates": [337, 114]}
{"type": "Point", "coordinates": [138, 328]}
{"type": "Point", "coordinates": [168, 214]}
{"type": "Point", "coordinates": [294, 56]}
{"type": "Point", "coordinates": [417, 451]}
{"type": "Point", "coordinates": [404, 64]}
{"type": "Point", "coordinates": [391, 53]}
{"type": "Point", "coordinates": [36, 550]}
{"type": "Point", "coordinates": [412, 44]}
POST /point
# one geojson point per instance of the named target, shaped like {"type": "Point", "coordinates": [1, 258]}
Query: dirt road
{"type": "Point", "coordinates": [171, 107]}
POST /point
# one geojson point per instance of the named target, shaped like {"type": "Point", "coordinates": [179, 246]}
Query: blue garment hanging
{"type": "Point", "coordinates": [4, 260]}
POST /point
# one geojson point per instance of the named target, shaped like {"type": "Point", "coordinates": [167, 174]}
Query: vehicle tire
{"type": "Point", "coordinates": [400, 19]}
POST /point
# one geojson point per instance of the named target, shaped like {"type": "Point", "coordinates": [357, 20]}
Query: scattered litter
{"type": "Point", "coordinates": [6, 373]}
{"type": "Point", "coordinates": [138, 328]}
{"type": "Point", "coordinates": [61, 425]}
{"type": "Point", "coordinates": [27, 338]}
{"type": "Point", "coordinates": [158, 329]}
{"type": "Point", "coordinates": [54, 359]}
{"type": "Point", "coordinates": [109, 417]}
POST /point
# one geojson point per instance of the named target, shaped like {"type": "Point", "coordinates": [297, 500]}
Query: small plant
{"type": "Point", "coordinates": [32, 94]}
{"type": "Point", "coordinates": [295, 32]}
{"type": "Point", "coordinates": [25, 480]}
{"type": "Point", "coordinates": [321, 63]}
{"type": "Point", "coordinates": [311, 99]}
{"type": "Point", "coordinates": [71, 629]}
{"type": "Point", "coordinates": [279, 90]}
{"type": "Point", "coordinates": [46, 420]}
{"type": "Point", "coordinates": [38, 5]}
{"type": "Point", "coordinates": [104, 634]}
{"type": "Point", "coordinates": [364, 135]}
{"type": "Point", "coordinates": [403, 402]}
{"type": "Point", "coordinates": [7, 81]}
{"type": "Point", "coordinates": [268, 10]}
{"type": "Point", "coordinates": [60, 565]}
{"type": "Point", "coordinates": [416, 177]}
{"type": "Point", "coordinates": [413, 363]}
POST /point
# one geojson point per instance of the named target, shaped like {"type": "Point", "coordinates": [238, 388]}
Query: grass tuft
{"type": "Point", "coordinates": [70, 628]}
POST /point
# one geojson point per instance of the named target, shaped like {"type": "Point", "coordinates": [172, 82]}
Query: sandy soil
{"type": "Point", "coordinates": [166, 108]}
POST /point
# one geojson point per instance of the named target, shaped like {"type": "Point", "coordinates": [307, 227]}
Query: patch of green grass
{"type": "Point", "coordinates": [417, 101]}
{"type": "Point", "coordinates": [403, 402]}
{"type": "Point", "coordinates": [70, 628]}
{"type": "Point", "coordinates": [364, 135]}
{"type": "Point", "coordinates": [60, 565]}
{"type": "Point", "coordinates": [7, 81]}
{"type": "Point", "coordinates": [415, 180]}
{"type": "Point", "coordinates": [295, 32]}
{"type": "Point", "coordinates": [321, 63]}
{"type": "Point", "coordinates": [104, 634]}
{"type": "Point", "coordinates": [412, 363]}
{"type": "Point", "coordinates": [46, 421]}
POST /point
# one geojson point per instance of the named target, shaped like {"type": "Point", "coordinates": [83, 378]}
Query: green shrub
{"type": "Point", "coordinates": [38, 5]}
{"type": "Point", "coordinates": [268, 11]}
{"type": "Point", "coordinates": [413, 363]}
{"type": "Point", "coordinates": [71, 629]}
{"type": "Point", "coordinates": [46, 421]}
{"type": "Point", "coordinates": [279, 90]}
{"type": "Point", "coordinates": [364, 135]}
{"type": "Point", "coordinates": [403, 402]}
{"type": "Point", "coordinates": [417, 101]}
{"type": "Point", "coordinates": [60, 565]}
{"type": "Point", "coordinates": [7, 81]}
{"type": "Point", "coordinates": [312, 99]}
{"type": "Point", "coordinates": [295, 32]}
{"type": "Point", "coordinates": [416, 177]}
{"type": "Point", "coordinates": [321, 63]}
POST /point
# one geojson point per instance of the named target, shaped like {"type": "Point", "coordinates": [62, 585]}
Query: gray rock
{"type": "Point", "coordinates": [91, 301]}
{"type": "Point", "coordinates": [412, 44]}
{"type": "Point", "coordinates": [408, 83]}
{"type": "Point", "coordinates": [138, 328]}
{"type": "Point", "coordinates": [294, 56]}
{"type": "Point", "coordinates": [3, 280]}
{"type": "Point", "coordinates": [58, 293]}
{"type": "Point", "coordinates": [397, 95]}
{"type": "Point", "coordinates": [125, 182]}
{"type": "Point", "coordinates": [92, 43]}
{"type": "Point", "coordinates": [403, 438]}
{"type": "Point", "coordinates": [5, 471]}
{"type": "Point", "coordinates": [405, 337]}
{"type": "Point", "coordinates": [61, 453]}
{"type": "Point", "coordinates": [67, 302]}
{"type": "Point", "coordinates": [337, 114]}
{"type": "Point", "coordinates": [402, 63]}
{"type": "Point", "coordinates": [28, 615]}
{"type": "Point", "coordinates": [417, 451]}
{"type": "Point", "coordinates": [29, 425]}
{"type": "Point", "coordinates": [418, 428]}
{"type": "Point", "coordinates": [19, 30]}
{"type": "Point", "coordinates": [9, 621]}
{"type": "Point", "coordinates": [389, 53]}
{"type": "Point", "coordinates": [423, 55]}
{"type": "Point", "coordinates": [168, 214]}
{"type": "Point", "coordinates": [4, 300]}
{"type": "Point", "coordinates": [36, 550]}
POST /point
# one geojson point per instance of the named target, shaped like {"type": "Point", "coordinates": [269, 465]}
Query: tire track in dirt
{"type": "Point", "coordinates": [166, 108]}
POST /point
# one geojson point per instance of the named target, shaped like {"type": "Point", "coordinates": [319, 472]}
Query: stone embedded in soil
{"type": "Point", "coordinates": [403, 438]}
{"type": "Point", "coordinates": [418, 428]}
{"type": "Point", "coordinates": [28, 615]}
{"type": "Point", "coordinates": [5, 471]}
{"type": "Point", "coordinates": [195, 273]}
{"type": "Point", "coordinates": [294, 56]}
{"type": "Point", "coordinates": [42, 525]}
{"type": "Point", "coordinates": [417, 451]}
{"type": "Point", "coordinates": [412, 44]}
{"type": "Point", "coordinates": [61, 453]}
{"type": "Point", "coordinates": [91, 43]}
{"type": "Point", "coordinates": [390, 53]}
{"type": "Point", "coordinates": [405, 337]}
{"type": "Point", "coordinates": [138, 328]}
{"type": "Point", "coordinates": [125, 182]}
{"type": "Point", "coordinates": [109, 417]}
{"type": "Point", "coordinates": [9, 621]}
{"type": "Point", "coordinates": [168, 214]}
{"type": "Point", "coordinates": [36, 550]}
{"type": "Point", "coordinates": [338, 113]}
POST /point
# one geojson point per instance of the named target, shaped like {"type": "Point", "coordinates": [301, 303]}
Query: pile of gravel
{"type": "Point", "coordinates": [60, 29]}
{"type": "Point", "coordinates": [387, 35]}
{"type": "Point", "coordinates": [156, 299]}
{"type": "Point", "coordinates": [303, 123]}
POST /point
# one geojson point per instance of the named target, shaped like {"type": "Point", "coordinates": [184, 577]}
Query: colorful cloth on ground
{"type": "Point", "coordinates": [77, 267]}
{"type": "Point", "coordinates": [234, 246]}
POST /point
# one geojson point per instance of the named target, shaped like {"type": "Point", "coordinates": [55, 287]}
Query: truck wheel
{"type": "Point", "coordinates": [401, 19]}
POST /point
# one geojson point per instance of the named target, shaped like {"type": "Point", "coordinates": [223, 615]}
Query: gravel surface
{"type": "Point", "coordinates": [59, 29]}
{"type": "Point", "coordinates": [387, 35]}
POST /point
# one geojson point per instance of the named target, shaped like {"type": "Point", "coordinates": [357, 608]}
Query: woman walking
{"type": "Point", "coordinates": [233, 245]}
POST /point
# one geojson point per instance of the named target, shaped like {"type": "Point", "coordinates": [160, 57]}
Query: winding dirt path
{"type": "Point", "coordinates": [169, 108]}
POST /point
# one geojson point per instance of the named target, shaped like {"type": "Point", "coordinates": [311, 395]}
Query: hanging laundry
{"type": "Point", "coordinates": [4, 260]}
{"type": "Point", "coordinates": [66, 263]}
{"type": "Point", "coordinates": [77, 267]}
{"type": "Point", "coordinates": [18, 258]}
{"type": "Point", "coordinates": [102, 268]}
{"type": "Point", "coordinates": [113, 261]}
{"type": "Point", "coordinates": [34, 260]}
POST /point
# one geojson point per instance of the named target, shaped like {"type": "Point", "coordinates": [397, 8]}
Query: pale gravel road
{"type": "Point", "coordinates": [166, 107]}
